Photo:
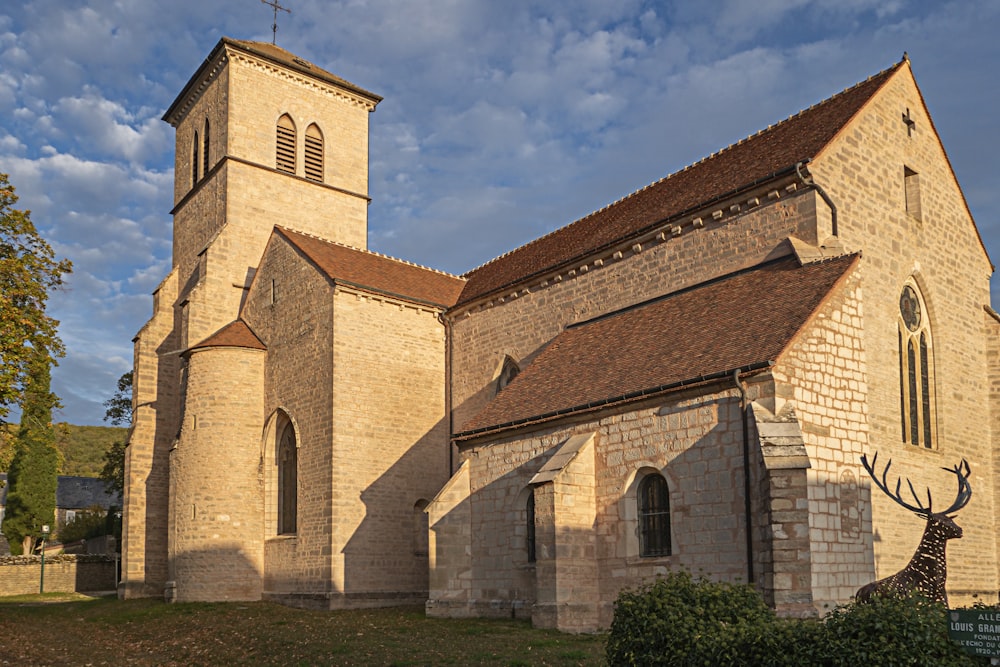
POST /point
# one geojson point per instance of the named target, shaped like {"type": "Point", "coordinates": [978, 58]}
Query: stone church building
{"type": "Point", "coordinates": [686, 378]}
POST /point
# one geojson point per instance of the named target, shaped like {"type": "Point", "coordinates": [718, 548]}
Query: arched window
{"type": "Point", "coordinates": [285, 146]}
{"type": "Point", "coordinates": [529, 526]}
{"type": "Point", "coordinates": [314, 154]}
{"type": "Point", "coordinates": [288, 463]}
{"type": "Point", "coordinates": [204, 152]}
{"type": "Point", "coordinates": [654, 516]}
{"type": "Point", "coordinates": [194, 160]}
{"type": "Point", "coordinates": [916, 381]}
{"type": "Point", "coordinates": [508, 372]}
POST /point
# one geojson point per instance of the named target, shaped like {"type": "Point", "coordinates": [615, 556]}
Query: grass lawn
{"type": "Point", "coordinates": [62, 629]}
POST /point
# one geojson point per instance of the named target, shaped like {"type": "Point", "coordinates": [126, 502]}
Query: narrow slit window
{"type": "Point", "coordinates": [911, 188]}
{"type": "Point", "coordinates": [529, 533]}
{"type": "Point", "coordinates": [194, 160]}
{"type": "Point", "coordinates": [285, 150]}
{"type": "Point", "coordinates": [314, 154]}
{"type": "Point", "coordinates": [204, 151]}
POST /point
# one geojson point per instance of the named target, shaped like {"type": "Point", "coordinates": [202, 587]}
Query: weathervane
{"type": "Point", "coordinates": [274, 26]}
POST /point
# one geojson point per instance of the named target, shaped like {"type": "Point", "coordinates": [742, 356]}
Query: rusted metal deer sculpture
{"type": "Point", "coordinates": [927, 570]}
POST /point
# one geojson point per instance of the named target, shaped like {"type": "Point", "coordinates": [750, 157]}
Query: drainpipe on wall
{"type": "Point", "coordinates": [747, 506]}
{"type": "Point", "coordinates": [443, 319]}
{"type": "Point", "coordinates": [809, 182]}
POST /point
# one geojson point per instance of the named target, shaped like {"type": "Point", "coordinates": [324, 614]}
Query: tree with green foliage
{"type": "Point", "coordinates": [118, 412]}
{"type": "Point", "coordinates": [31, 499]}
{"type": "Point", "coordinates": [28, 271]}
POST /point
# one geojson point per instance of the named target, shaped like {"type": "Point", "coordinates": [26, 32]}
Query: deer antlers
{"type": "Point", "coordinates": [962, 497]}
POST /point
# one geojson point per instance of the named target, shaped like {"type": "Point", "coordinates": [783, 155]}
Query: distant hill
{"type": "Point", "coordinates": [81, 447]}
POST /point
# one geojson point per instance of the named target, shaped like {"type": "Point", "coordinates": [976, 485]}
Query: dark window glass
{"type": "Point", "coordinates": [287, 482]}
{"type": "Point", "coordinates": [654, 516]}
{"type": "Point", "coordinates": [911, 363]}
{"type": "Point", "coordinates": [529, 539]}
{"type": "Point", "coordinates": [925, 391]}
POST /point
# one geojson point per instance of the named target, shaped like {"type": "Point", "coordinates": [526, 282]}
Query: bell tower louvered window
{"type": "Point", "coordinates": [916, 382]}
{"type": "Point", "coordinates": [285, 147]}
{"type": "Point", "coordinates": [314, 154]}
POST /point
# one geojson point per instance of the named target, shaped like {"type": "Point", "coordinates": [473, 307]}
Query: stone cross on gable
{"type": "Point", "coordinates": [910, 123]}
{"type": "Point", "coordinates": [274, 26]}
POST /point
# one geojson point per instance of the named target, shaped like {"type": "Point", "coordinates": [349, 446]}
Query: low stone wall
{"type": "Point", "coordinates": [64, 573]}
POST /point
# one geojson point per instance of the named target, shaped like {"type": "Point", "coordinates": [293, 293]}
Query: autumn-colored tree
{"type": "Point", "coordinates": [28, 271]}
{"type": "Point", "coordinates": [31, 498]}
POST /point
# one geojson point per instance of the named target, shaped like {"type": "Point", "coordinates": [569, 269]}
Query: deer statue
{"type": "Point", "coordinates": [926, 572]}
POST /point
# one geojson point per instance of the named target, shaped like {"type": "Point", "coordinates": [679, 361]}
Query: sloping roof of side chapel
{"type": "Point", "coordinates": [374, 272]}
{"type": "Point", "coordinates": [754, 160]}
{"type": "Point", "coordinates": [681, 340]}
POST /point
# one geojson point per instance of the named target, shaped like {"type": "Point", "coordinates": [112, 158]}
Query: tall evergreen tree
{"type": "Point", "coordinates": [31, 498]}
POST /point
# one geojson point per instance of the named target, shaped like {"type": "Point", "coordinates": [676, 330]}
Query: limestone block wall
{"type": "Point", "coordinates": [520, 323]}
{"type": "Point", "coordinates": [991, 330]}
{"type": "Point", "coordinates": [567, 580]}
{"type": "Point", "coordinates": [390, 440]}
{"type": "Point", "coordinates": [290, 308]}
{"type": "Point", "coordinates": [155, 400]}
{"type": "Point", "coordinates": [450, 559]}
{"type": "Point", "coordinates": [863, 171]}
{"type": "Point", "coordinates": [216, 519]}
{"type": "Point", "coordinates": [21, 575]}
{"type": "Point", "coordinates": [212, 105]}
{"type": "Point", "coordinates": [260, 92]}
{"type": "Point", "coordinates": [823, 375]}
{"type": "Point", "coordinates": [695, 442]}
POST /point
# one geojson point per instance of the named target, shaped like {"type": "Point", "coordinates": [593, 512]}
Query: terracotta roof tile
{"type": "Point", "coordinates": [755, 159]}
{"type": "Point", "coordinates": [736, 321]}
{"type": "Point", "coordinates": [235, 334]}
{"type": "Point", "coordinates": [370, 270]}
{"type": "Point", "coordinates": [289, 59]}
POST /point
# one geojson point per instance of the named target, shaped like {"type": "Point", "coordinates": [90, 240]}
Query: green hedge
{"type": "Point", "coordinates": [690, 622]}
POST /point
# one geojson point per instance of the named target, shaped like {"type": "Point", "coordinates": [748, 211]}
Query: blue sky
{"type": "Point", "coordinates": [501, 121]}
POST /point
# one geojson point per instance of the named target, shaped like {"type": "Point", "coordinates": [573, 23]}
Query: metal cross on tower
{"type": "Point", "coordinates": [274, 26]}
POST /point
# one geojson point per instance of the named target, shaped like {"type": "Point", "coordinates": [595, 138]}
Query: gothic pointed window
{"type": "Point", "coordinates": [204, 151]}
{"type": "Point", "coordinates": [916, 381]}
{"type": "Point", "coordinates": [288, 463]}
{"type": "Point", "coordinates": [285, 145]}
{"type": "Point", "coordinates": [314, 154]}
{"type": "Point", "coordinates": [654, 516]}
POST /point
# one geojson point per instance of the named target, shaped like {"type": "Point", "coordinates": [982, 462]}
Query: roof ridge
{"type": "Point", "coordinates": [368, 252]}
{"type": "Point", "coordinates": [674, 174]}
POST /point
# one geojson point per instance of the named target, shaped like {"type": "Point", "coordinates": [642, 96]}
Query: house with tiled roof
{"type": "Point", "coordinates": [684, 379]}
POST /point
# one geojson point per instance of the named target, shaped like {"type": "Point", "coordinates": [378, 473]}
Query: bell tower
{"type": "Point", "coordinates": [263, 138]}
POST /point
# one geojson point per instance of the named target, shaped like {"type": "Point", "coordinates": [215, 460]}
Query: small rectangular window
{"type": "Point", "coordinates": [911, 187]}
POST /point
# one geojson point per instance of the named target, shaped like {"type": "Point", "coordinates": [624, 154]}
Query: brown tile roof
{"type": "Point", "coordinates": [751, 161]}
{"type": "Point", "coordinates": [292, 61]}
{"type": "Point", "coordinates": [270, 52]}
{"type": "Point", "coordinates": [738, 321]}
{"type": "Point", "coordinates": [235, 334]}
{"type": "Point", "coordinates": [379, 273]}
